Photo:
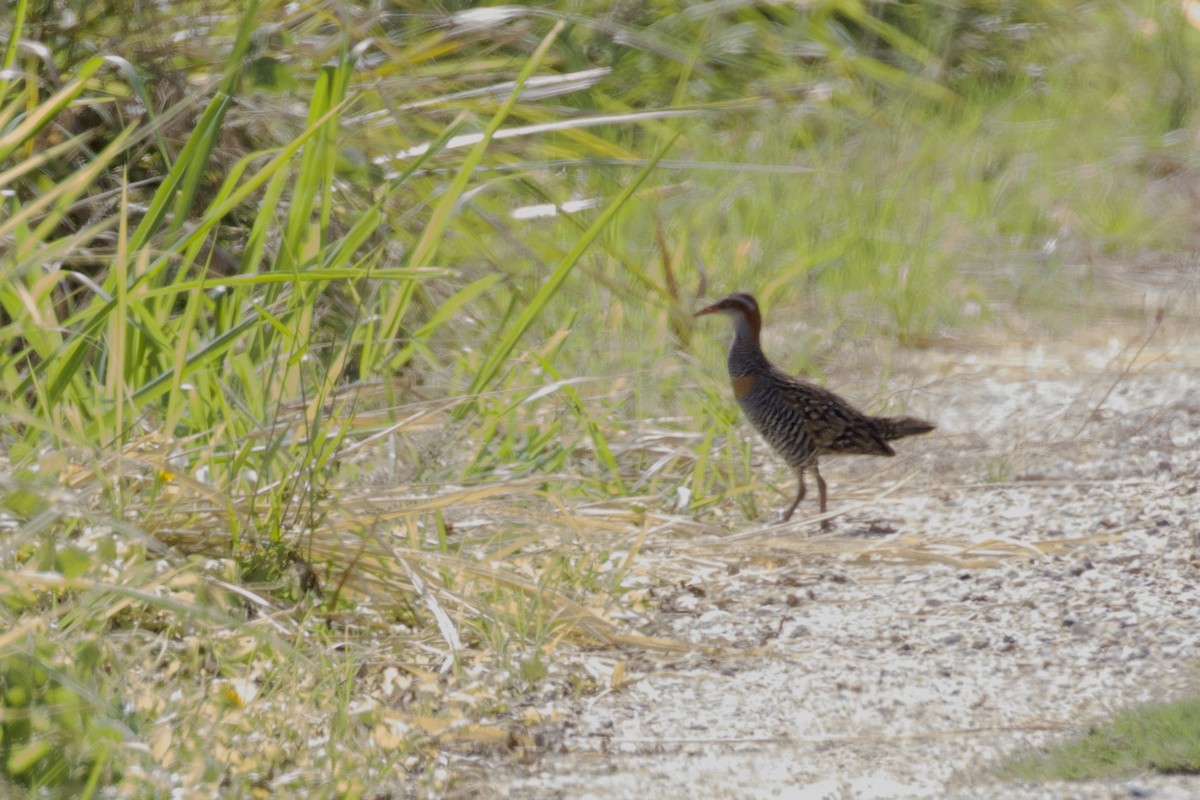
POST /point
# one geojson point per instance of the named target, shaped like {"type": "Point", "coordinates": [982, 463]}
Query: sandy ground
{"type": "Point", "coordinates": [1027, 570]}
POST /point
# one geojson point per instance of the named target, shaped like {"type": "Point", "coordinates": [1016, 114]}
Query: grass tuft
{"type": "Point", "coordinates": [1162, 738]}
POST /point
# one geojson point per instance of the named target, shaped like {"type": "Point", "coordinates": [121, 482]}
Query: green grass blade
{"type": "Point", "coordinates": [202, 141]}
{"type": "Point", "coordinates": [446, 312]}
{"type": "Point", "coordinates": [438, 220]}
{"type": "Point", "coordinates": [41, 115]}
{"type": "Point", "coordinates": [600, 446]}
{"type": "Point", "coordinates": [14, 36]}
{"type": "Point", "coordinates": [500, 354]}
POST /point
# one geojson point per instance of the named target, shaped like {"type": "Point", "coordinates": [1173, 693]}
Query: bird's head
{"type": "Point", "coordinates": [743, 308]}
{"type": "Point", "coordinates": [735, 305]}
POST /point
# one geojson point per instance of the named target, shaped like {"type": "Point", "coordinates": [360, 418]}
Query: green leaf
{"type": "Point", "coordinates": [72, 563]}
{"type": "Point", "coordinates": [24, 503]}
{"type": "Point", "coordinates": [28, 756]}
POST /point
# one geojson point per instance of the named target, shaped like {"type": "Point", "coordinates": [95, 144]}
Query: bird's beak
{"type": "Point", "coordinates": [709, 310]}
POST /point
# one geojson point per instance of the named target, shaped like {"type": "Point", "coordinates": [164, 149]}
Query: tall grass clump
{"type": "Point", "coordinates": [347, 353]}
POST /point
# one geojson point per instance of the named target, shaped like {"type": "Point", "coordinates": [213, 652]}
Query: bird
{"type": "Point", "coordinates": [799, 419]}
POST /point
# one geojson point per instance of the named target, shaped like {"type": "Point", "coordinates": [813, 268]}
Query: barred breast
{"type": "Point", "coordinates": [781, 424]}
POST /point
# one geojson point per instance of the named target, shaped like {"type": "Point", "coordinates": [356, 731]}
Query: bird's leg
{"type": "Point", "coordinates": [799, 496]}
{"type": "Point", "coordinates": [825, 524]}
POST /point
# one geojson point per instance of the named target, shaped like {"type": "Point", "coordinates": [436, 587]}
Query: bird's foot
{"type": "Point", "coordinates": [826, 524]}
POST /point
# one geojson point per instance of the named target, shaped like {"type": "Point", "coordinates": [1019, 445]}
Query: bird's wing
{"type": "Point", "coordinates": [835, 425]}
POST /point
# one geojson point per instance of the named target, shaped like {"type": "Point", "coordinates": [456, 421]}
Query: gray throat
{"type": "Point", "coordinates": [745, 355]}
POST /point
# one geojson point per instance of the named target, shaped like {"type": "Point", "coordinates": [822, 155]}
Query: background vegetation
{"type": "Point", "coordinates": [1156, 738]}
{"type": "Point", "coordinates": [347, 351]}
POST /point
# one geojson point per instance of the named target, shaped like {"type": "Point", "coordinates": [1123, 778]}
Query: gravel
{"type": "Point", "coordinates": [859, 674]}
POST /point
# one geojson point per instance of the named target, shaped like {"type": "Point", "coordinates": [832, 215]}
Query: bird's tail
{"type": "Point", "coordinates": [898, 427]}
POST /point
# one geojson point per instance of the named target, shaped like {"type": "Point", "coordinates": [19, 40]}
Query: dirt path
{"type": "Point", "coordinates": [1034, 569]}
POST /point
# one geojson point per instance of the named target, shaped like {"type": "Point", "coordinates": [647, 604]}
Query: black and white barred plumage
{"type": "Point", "coordinates": [799, 419]}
